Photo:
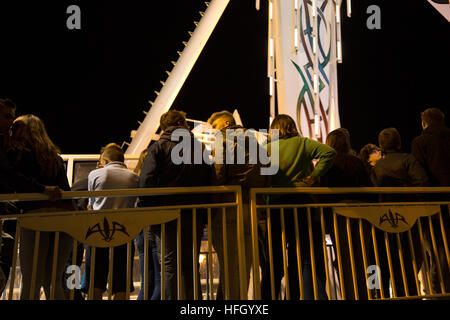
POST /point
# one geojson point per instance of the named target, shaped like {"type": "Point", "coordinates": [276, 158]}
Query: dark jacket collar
{"type": "Point", "coordinates": [167, 134]}
{"type": "Point", "coordinates": [439, 130]}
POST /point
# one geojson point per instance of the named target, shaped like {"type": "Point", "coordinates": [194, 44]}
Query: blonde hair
{"type": "Point", "coordinates": [28, 133]}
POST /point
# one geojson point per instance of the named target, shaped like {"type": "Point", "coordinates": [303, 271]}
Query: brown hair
{"type": "Point", "coordinates": [339, 141]}
{"type": "Point", "coordinates": [433, 116]}
{"type": "Point", "coordinates": [140, 163]}
{"type": "Point", "coordinates": [286, 125]}
{"type": "Point", "coordinates": [389, 139]}
{"type": "Point", "coordinates": [28, 133]}
{"type": "Point", "coordinates": [172, 118]}
{"type": "Point", "coordinates": [222, 114]}
{"type": "Point", "coordinates": [112, 152]}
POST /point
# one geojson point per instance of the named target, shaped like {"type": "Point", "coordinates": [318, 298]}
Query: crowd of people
{"type": "Point", "coordinates": [30, 162]}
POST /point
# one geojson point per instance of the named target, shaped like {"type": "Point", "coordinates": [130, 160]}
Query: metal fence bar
{"type": "Point", "coordinates": [364, 256]}
{"type": "Point", "coordinates": [146, 262]}
{"type": "Point", "coordinates": [74, 262]}
{"type": "Point", "coordinates": [179, 261]}
{"type": "Point", "coordinates": [425, 260]}
{"type": "Point", "coordinates": [14, 262]}
{"type": "Point", "coordinates": [377, 260]}
{"type": "Point", "coordinates": [110, 272]}
{"type": "Point", "coordinates": [339, 257]}
{"type": "Point", "coordinates": [391, 267]}
{"type": "Point", "coordinates": [436, 254]}
{"type": "Point", "coordinates": [241, 247]}
{"type": "Point", "coordinates": [163, 261]}
{"type": "Point", "coordinates": [54, 266]}
{"type": "Point", "coordinates": [313, 262]}
{"type": "Point", "coordinates": [352, 259]}
{"type": "Point", "coordinates": [285, 262]}
{"type": "Point", "coordinates": [225, 255]}
{"type": "Point", "coordinates": [444, 237]}
{"type": "Point", "coordinates": [195, 253]}
{"type": "Point", "coordinates": [269, 238]}
{"type": "Point", "coordinates": [92, 274]}
{"type": "Point", "coordinates": [255, 248]}
{"type": "Point", "coordinates": [402, 264]}
{"type": "Point", "coordinates": [299, 257]}
{"type": "Point", "coordinates": [414, 263]}
{"type": "Point", "coordinates": [129, 264]}
{"type": "Point", "coordinates": [210, 266]}
{"type": "Point", "coordinates": [325, 255]}
{"type": "Point", "coordinates": [35, 262]}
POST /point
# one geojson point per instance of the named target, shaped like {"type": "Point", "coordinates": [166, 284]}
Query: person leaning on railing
{"type": "Point", "coordinates": [398, 169]}
{"type": "Point", "coordinates": [296, 154]}
{"type": "Point", "coordinates": [348, 171]}
{"type": "Point", "coordinates": [13, 181]}
{"type": "Point", "coordinates": [432, 150]}
{"type": "Point", "coordinates": [33, 154]}
{"type": "Point", "coordinates": [160, 170]}
{"type": "Point", "coordinates": [247, 175]}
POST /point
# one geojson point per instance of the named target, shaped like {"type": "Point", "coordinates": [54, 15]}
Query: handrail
{"type": "Point", "coordinates": [121, 193]}
{"type": "Point", "coordinates": [323, 190]}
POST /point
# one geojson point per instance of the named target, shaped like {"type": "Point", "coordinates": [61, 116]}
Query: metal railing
{"type": "Point", "coordinates": [382, 248]}
{"type": "Point", "coordinates": [115, 227]}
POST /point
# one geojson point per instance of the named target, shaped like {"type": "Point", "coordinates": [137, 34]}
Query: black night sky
{"type": "Point", "coordinates": [90, 86]}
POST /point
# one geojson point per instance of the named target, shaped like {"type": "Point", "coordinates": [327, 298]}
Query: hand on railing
{"type": "Point", "coordinates": [53, 192]}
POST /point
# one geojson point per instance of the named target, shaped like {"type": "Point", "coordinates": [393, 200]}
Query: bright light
{"type": "Point", "coordinates": [349, 8]}
{"type": "Point", "coordinates": [296, 4]}
{"type": "Point", "coordinates": [314, 8]}
{"type": "Point", "coordinates": [338, 13]}
{"type": "Point", "coordinates": [296, 37]}
{"type": "Point", "coordinates": [270, 10]}
{"type": "Point", "coordinates": [271, 86]}
{"type": "Point", "coordinates": [316, 83]}
{"type": "Point", "coordinates": [314, 44]}
{"type": "Point", "coordinates": [317, 125]}
{"type": "Point", "coordinates": [339, 51]}
{"type": "Point", "coordinates": [271, 47]}
{"type": "Point", "coordinates": [201, 258]}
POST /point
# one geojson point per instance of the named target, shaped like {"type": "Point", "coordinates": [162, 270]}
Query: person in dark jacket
{"type": "Point", "coordinates": [161, 169]}
{"type": "Point", "coordinates": [33, 154]}
{"type": "Point", "coordinates": [398, 169]}
{"type": "Point", "coordinates": [13, 181]}
{"type": "Point", "coordinates": [347, 171]}
{"type": "Point", "coordinates": [245, 174]}
{"type": "Point", "coordinates": [432, 150]}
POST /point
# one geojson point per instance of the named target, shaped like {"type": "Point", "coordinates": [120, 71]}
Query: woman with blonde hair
{"type": "Point", "coordinates": [33, 154]}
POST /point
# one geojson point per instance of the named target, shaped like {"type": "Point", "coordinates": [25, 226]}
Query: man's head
{"type": "Point", "coordinates": [112, 152]}
{"type": "Point", "coordinates": [432, 116]}
{"type": "Point", "coordinates": [173, 118]}
{"type": "Point", "coordinates": [222, 119]}
{"type": "Point", "coordinates": [389, 139]}
{"type": "Point", "coordinates": [7, 115]}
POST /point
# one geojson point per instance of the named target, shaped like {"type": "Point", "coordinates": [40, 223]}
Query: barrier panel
{"type": "Point", "coordinates": [351, 243]}
{"type": "Point", "coordinates": [179, 226]}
